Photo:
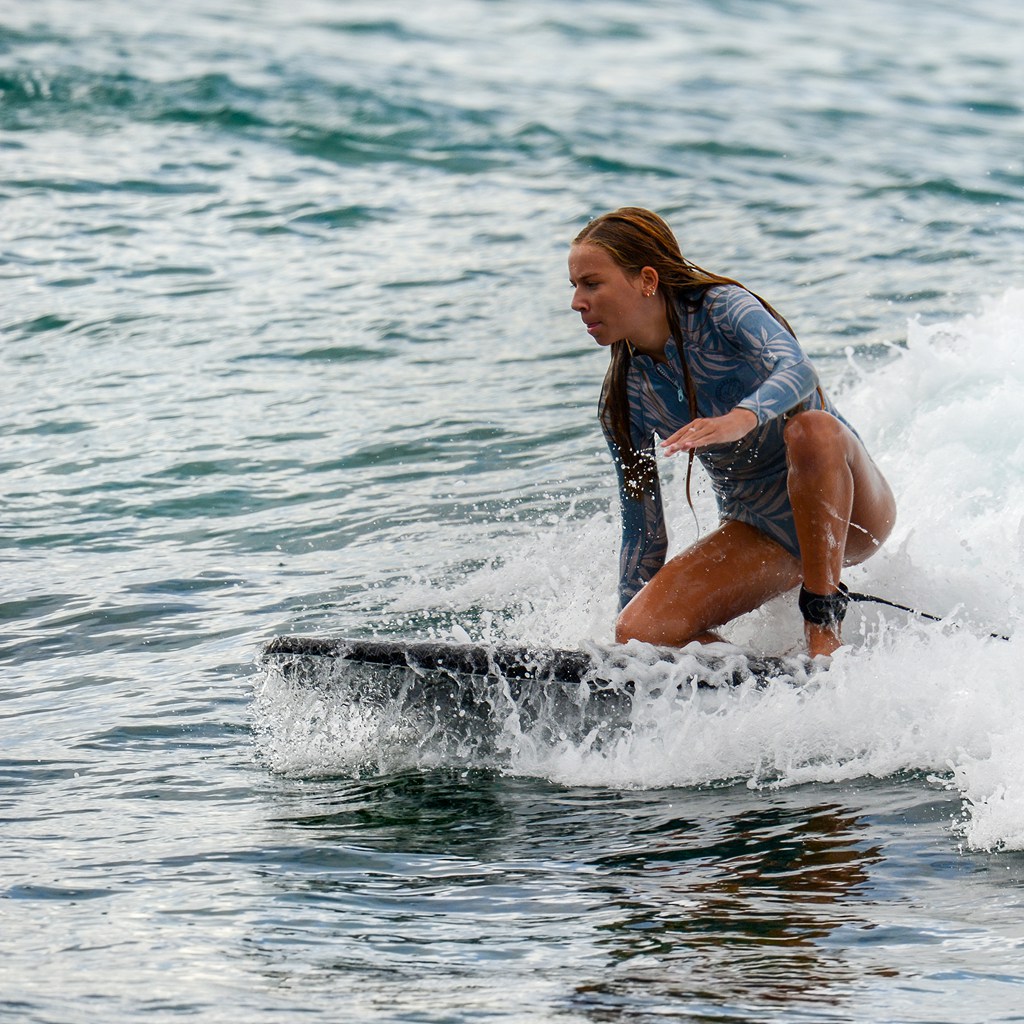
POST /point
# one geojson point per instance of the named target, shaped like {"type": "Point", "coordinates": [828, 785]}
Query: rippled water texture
{"type": "Point", "coordinates": [286, 347]}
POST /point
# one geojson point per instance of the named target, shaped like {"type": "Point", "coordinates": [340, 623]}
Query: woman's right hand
{"type": "Point", "coordinates": [700, 433]}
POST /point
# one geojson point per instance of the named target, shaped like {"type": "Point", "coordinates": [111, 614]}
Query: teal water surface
{"type": "Point", "coordinates": [286, 347]}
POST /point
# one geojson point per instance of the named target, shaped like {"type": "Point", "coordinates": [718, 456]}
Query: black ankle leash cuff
{"type": "Point", "coordinates": [829, 609]}
{"type": "Point", "coordinates": [824, 609]}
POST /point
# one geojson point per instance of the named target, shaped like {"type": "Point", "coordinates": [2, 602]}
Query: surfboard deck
{"type": "Point", "coordinates": [596, 666]}
{"type": "Point", "coordinates": [455, 703]}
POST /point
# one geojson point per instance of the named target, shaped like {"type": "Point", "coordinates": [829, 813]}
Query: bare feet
{"type": "Point", "coordinates": [822, 639]}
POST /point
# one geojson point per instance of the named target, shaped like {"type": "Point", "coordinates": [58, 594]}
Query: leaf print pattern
{"type": "Point", "coordinates": [734, 349]}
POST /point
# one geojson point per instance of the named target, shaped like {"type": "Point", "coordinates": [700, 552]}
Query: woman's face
{"type": "Point", "coordinates": [613, 304]}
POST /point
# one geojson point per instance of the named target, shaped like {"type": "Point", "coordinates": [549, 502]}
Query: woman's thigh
{"type": "Point", "coordinates": [835, 471]}
{"type": "Point", "coordinates": [874, 507]}
{"type": "Point", "coordinates": [731, 571]}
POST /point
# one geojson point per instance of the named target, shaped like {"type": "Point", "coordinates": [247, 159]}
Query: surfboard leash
{"type": "Point", "coordinates": [853, 596]}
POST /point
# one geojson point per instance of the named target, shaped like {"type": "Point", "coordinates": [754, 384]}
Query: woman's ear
{"type": "Point", "coordinates": [649, 281]}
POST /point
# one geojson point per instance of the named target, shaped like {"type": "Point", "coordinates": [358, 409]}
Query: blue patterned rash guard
{"type": "Point", "coordinates": [739, 356]}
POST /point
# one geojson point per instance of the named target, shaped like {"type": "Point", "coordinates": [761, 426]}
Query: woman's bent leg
{"type": "Point", "coordinates": [843, 508]}
{"type": "Point", "coordinates": [733, 570]}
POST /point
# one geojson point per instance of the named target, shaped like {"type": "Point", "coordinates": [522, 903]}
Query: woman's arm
{"type": "Point", "coordinates": [768, 347]}
{"type": "Point", "coordinates": [788, 378]}
{"type": "Point", "coordinates": [644, 537]}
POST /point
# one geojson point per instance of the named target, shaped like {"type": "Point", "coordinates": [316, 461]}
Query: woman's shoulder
{"type": "Point", "coordinates": [731, 307]}
{"type": "Point", "coordinates": [713, 297]}
{"type": "Point", "coordinates": [720, 295]}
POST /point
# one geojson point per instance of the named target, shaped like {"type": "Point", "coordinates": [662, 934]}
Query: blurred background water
{"type": "Point", "coordinates": [286, 347]}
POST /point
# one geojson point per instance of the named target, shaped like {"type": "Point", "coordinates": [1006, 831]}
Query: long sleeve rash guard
{"type": "Point", "coordinates": [738, 356]}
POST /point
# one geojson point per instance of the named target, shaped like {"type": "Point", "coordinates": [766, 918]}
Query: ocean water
{"type": "Point", "coordinates": [286, 348]}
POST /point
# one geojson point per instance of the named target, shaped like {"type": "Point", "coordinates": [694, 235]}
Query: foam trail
{"type": "Point", "coordinates": [945, 419]}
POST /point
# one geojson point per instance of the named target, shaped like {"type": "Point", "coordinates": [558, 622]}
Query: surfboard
{"type": "Point", "coordinates": [456, 703]}
{"type": "Point", "coordinates": [595, 666]}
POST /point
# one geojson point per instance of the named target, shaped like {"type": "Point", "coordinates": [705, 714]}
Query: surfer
{"type": "Point", "coordinates": [711, 369]}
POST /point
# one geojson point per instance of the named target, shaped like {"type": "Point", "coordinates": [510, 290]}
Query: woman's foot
{"type": "Point", "coordinates": [823, 620]}
{"type": "Point", "coordinates": [822, 640]}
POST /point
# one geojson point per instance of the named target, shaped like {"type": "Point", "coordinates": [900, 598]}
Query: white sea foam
{"type": "Point", "coordinates": [944, 419]}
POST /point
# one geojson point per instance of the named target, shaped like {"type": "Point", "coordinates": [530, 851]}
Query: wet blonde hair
{"type": "Point", "coordinates": [636, 238]}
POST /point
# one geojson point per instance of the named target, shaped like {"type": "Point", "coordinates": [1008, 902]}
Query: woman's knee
{"type": "Point", "coordinates": [643, 620]}
{"type": "Point", "coordinates": [624, 631]}
{"type": "Point", "coordinates": [633, 623]}
{"type": "Point", "coordinates": [815, 437]}
{"type": "Point", "coordinates": [813, 427]}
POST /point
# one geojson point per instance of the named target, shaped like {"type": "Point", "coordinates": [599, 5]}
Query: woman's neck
{"type": "Point", "coordinates": [653, 333]}
{"type": "Point", "coordinates": [653, 349]}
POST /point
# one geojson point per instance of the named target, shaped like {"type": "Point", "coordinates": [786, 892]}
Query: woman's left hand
{"type": "Point", "coordinates": [717, 430]}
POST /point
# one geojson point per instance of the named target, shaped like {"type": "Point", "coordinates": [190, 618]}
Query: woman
{"type": "Point", "coordinates": [710, 368]}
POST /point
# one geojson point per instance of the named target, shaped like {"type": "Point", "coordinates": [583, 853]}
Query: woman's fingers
{"type": "Point", "coordinates": [690, 436]}
{"type": "Point", "coordinates": [714, 430]}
